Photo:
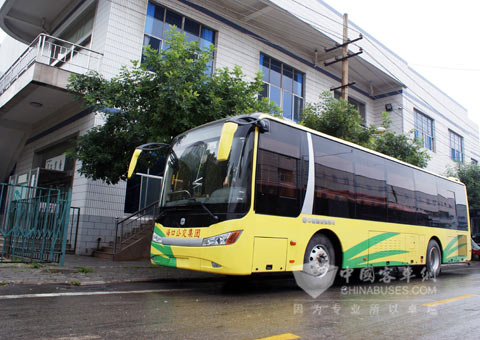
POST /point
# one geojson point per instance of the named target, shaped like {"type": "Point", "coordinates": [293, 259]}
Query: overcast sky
{"type": "Point", "coordinates": [437, 38]}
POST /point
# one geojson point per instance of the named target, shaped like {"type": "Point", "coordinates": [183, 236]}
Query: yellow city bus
{"type": "Point", "coordinates": [255, 193]}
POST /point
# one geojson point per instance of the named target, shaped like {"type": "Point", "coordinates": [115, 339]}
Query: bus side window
{"type": "Point", "coordinates": [280, 177]}
{"type": "Point", "coordinates": [446, 205]}
{"type": "Point", "coordinates": [401, 194]}
{"type": "Point", "coordinates": [461, 207]}
{"type": "Point", "coordinates": [427, 199]}
{"type": "Point", "coordinates": [334, 184]}
{"type": "Point", "coordinates": [370, 187]}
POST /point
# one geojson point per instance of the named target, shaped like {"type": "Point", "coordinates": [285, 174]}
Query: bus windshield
{"type": "Point", "coordinates": [195, 182]}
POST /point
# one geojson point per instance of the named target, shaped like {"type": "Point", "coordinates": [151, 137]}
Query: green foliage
{"type": "Point", "coordinates": [84, 270]}
{"type": "Point", "coordinates": [75, 283]}
{"type": "Point", "coordinates": [399, 146]}
{"type": "Point", "coordinates": [337, 118]}
{"type": "Point", "coordinates": [340, 119]}
{"type": "Point", "coordinates": [468, 174]}
{"type": "Point", "coordinates": [169, 93]}
{"type": "Point", "coordinates": [36, 265]}
{"type": "Point", "coordinates": [3, 283]}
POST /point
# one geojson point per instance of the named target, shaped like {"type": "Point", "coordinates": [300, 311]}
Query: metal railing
{"type": "Point", "coordinates": [55, 52]}
{"type": "Point", "coordinates": [134, 224]}
{"type": "Point", "coordinates": [73, 223]}
{"type": "Point", "coordinates": [33, 227]}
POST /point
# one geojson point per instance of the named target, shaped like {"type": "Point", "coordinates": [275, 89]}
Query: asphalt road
{"type": "Point", "coordinates": [253, 308]}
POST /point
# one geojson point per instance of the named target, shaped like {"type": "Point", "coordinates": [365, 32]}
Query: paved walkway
{"type": "Point", "coordinates": [83, 270]}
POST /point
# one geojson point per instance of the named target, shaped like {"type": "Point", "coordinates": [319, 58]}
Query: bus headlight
{"type": "Point", "coordinates": [222, 239]}
{"type": "Point", "coordinates": [156, 238]}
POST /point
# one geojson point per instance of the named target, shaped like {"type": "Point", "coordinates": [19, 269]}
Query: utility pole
{"type": "Point", "coordinates": [344, 58]}
{"type": "Point", "coordinates": [330, 53]}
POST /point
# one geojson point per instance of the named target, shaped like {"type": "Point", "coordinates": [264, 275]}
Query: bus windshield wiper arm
{"type": "Point", "coordinates": [192, 199]}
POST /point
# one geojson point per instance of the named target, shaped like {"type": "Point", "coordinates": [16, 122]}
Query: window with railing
{"type": "Point", "coordinates": [424, 130]}
{"type": "Point", "coordinates": [456, 147]}
{"type": "Point", "coordinates": [283, 85]}
{"type": "Point", "coordinates": [160, 20]}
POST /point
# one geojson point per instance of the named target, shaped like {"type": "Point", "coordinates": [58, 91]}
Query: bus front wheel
{"type": "Point", "coordinates": [434, 258]}
{"type": "Point", "coordinates": [319, 259]}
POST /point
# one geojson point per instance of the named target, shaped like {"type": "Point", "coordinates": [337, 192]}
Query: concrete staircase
{"type": "Point", "coordinates": [135, 244]}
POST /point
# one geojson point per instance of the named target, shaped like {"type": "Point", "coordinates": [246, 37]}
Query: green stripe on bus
{"type": "Point", "coordinates": [378, 255]}
{"type": "Point", "coordinates": [168, 259]}
{"type": "Point", "coordinates": [362, 246]}
{"type": "Point", "coordinates": [448, 249]}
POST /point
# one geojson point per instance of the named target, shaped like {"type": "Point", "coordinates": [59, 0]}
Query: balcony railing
{"type": "Point", "coordinates": [55, 52]}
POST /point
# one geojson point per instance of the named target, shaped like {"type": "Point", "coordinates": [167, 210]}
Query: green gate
{"type": "Point", "coordinates": [33, 223]}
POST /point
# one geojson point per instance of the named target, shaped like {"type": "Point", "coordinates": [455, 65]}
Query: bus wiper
{"type": "Point", "coordinates": [200, 203]}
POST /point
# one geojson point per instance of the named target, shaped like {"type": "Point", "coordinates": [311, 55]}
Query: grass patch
{"type": "Point", "coordinates": [75, 283]}
{"type": "Point", "coordinates": [3, 283]}
{"type": "Point", "coordinates": [84, 270]}
{"type": "Point", "coordinates": [36, 265]}
{"type": "Point", "coordinates": [49, 271]}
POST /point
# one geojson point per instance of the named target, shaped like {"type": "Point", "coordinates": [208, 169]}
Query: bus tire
{"type": "Point", "coordinates": [434, 258]}
{"type": "Point", "coordinates": [319, 257]}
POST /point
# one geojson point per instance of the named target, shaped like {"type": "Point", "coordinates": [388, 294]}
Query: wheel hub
{"type": "Point", "coordinates": [318, 261]}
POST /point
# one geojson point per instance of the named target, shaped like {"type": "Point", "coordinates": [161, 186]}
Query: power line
{"type": "Point", "coordinates": [448, 68]}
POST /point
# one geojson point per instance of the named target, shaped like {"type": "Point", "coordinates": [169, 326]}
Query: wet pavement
{"type": "Point", "coordinates": [82, 270]}
{"type": "Point", "coordinates": [215, 307]}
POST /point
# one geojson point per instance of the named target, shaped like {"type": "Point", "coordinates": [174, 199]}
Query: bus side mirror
{"type": "Point", "coordinates": [133, 162]}
{"type": "Point", "coordinates": [226, 140]}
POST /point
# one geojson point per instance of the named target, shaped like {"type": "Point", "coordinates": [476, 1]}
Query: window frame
{"type": "Point", "coordinates": [455, 139]}
{"type": "Point", "coordinates": [266, 92]}
{"type": "Point", "coordinates": [358, 104]}
{"type": "Point", "coordinates": [419, 121]}
{"type": "Point", "coordinates": [184, 18]}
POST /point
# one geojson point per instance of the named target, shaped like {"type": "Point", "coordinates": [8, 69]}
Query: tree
{"type": "Point", "coordinates": [340, 119]}
{"type": "Point", "coordinates": [399, 146]}
{"type": "Point", "coordinates": [337, 118]}
{"type": "Point", "coordinates": [171, 91]}
{"type": "Point", "coordinates": [468, 174]}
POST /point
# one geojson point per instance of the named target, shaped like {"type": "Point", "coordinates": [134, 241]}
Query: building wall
{"type": "Point", "coordinates": [446, 112]}
{"type": "Point", "coordinates": [118, 34]}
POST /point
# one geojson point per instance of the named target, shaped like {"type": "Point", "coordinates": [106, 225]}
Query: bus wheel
{"type": "Point", "coordinates": [434, 258]}
{"type": "Point", "coordinates": [319, 257]}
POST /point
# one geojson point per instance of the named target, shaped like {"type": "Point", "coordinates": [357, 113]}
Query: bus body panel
{"type": "Point", "coordinates": [270, 243]}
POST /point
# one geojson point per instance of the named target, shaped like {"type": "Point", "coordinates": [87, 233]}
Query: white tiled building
{"type": "Point", "coordinates": [286, 39]}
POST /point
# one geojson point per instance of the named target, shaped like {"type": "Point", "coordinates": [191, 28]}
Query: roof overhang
{"type": "Point", "coordinates": [38, 95]}
{"type": "Point", "coordinates": [294, 34]}
{"type": "Point", "coordinates": [24, 20]}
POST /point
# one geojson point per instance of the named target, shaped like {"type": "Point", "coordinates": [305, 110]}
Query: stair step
{"type": "Point", "coordinates": [107, 249]}
{"type": "Point", "coordinates": [103, 255]}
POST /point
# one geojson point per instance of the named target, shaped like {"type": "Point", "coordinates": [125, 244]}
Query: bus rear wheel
{"type": "Point", "coordinates": [319, 259]}
{"type": "Point", "coordinates": [434, 258]}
